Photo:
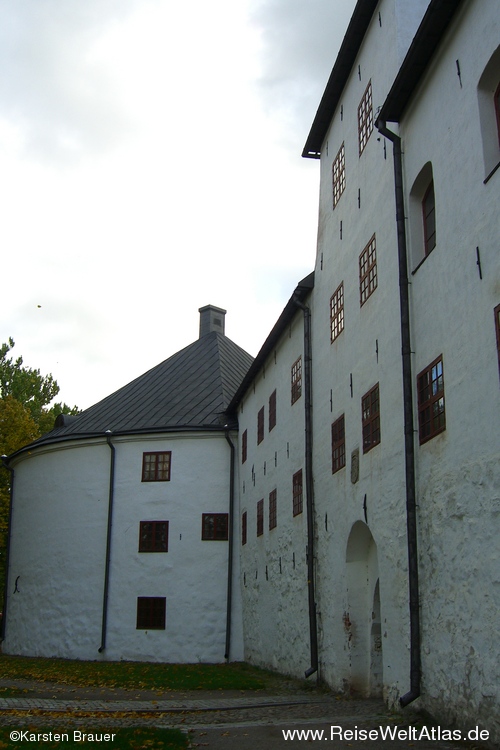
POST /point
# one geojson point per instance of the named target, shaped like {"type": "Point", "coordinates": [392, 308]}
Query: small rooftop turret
{"type": "Point", "coordinates": [211, 319]}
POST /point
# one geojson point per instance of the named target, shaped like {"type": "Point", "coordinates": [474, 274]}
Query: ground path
{"type": "Point", "coordinates": [223, 720]}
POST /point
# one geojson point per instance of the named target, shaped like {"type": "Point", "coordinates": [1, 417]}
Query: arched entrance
{"type": "Point", "coordinates": [363, 598]}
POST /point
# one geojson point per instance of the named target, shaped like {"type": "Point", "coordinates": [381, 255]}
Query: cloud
{"type": "Point", "coordinates": [53, 85]}
{"type": "Point", "coordinates": [300, 41]}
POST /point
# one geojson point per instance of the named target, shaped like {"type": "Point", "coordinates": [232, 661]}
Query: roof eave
{"type": "Point", "coordinates": [302, 290]}
{"type": "Point", "coordinates": [346, 57]}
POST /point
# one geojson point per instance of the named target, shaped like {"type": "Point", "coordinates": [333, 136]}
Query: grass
{"type": "Point", "coordinates": [126, 738]}
{"type": "Point", "coordinates": [134, 675]}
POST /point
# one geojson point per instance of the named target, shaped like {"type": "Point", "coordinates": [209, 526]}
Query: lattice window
{"type": "Point", "coordinates": [260, 426]}
{"type": "Point", "coordinates": [365, 118]}
{"type": "Point", "coordinates": [431, 411]}
{"type": "Point", "coordinates": [370, 409]}
{"type": "Point", "coordinates": [260, 517]}
{"type": "Point", "coordinates": [153, 536]}
{"type": "Point", "coordinates": [214, 526]}
{"type": "Point", "coordinates": [297, 493]}
{"type": "Point", "coordinates": [156, 466]}
{"type": "Point", "coordinates": [296, 376]}
{"type": "Point", "coordinates": [244, 446]}
{"type": "Point", "coordinates": [338, 175]}
{"type": "Point", "coordinates": [367, 271]}
{"type": "Point", "coordinates": [429, 218]}
{"type": "Point", "coordinates": [272, 411]}
{"type": "Point", "coordinates": [244, 519]}
{"type": "Point", "coordinates": [151, 612]}
{"type": "Point", "coordinates": [273, 509]}
{"type": "Point", "coordinates": [337, 313]}
{"type": "Point", "coordinates": [338, 445]}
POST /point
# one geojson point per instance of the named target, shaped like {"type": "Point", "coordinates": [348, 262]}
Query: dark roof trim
{"type": "Point", "coordinates": [346, 57]}
{"type": "Point", "coordinates": [302, 290]}
{"type": "Point", "coordinates": [50, 439]}
{"type": "Point", "coordinates": [435, 22]}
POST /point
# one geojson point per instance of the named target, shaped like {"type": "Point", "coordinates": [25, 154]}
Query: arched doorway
{"type": "Point", "coordinates": [363, 598]}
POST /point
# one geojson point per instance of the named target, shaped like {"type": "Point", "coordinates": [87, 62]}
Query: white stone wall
{"type": "Point", "coordinates": [273, 566]}
{"type": "Point", "coordinates": [452, 315]}
{"type": "Point", "coordinates": [62, 494]}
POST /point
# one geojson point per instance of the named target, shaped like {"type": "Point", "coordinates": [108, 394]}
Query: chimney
{"type": "Point", "coordinates": [211, 319]}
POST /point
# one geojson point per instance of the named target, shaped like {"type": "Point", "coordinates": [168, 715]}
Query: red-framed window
{"type": "Point", "coordinates": [337, 313]}
{"type": "Point", "coordinates": [214, 527]}
{"type": "Point", "coordinates": [156, 466]}
{"type": "Point", "coordinates": [244, 446]}
{"type": "Point", "coordinates": [273, 509]}
{"type": "Point", "coordinates": [296, 380]}
{"type": "Point", "coordinates": [260, 426]}
{"type": "Point", "coordinates": [297, 493]}
{"type": "Point", "coordinates": [367, 271]}
{"type": "Point", "coordinates": [370, 409]}
{"type": "Point", "coordinates": [244, 520]}
{"type": "Point", "coordinates": [431, 410]}
{"type": "Point", "coordinates": [338, 175]}
{"type": "Point", "coordinates": [429, 219]}
{"type": "Point", "coordinates": [365, 118]}
{"type": "Point", "coordinates": [272, 411]}
{"type": "Point", "coordinates": [151, 612]}
{"type": "Point", "coordinates": [153, 536]}
{"type": "Point", "coordinates": [338, 445]}
{"type": "Point", "coordinates": [260, 517]}
{"type": "Point", "coordinates": [497, 330]}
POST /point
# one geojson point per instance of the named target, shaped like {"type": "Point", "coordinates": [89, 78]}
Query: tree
{"type": "Point", "coordinates": [25, 415]}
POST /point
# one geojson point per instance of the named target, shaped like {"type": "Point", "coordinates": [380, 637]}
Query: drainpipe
{"type": "Point", "coordinates": [5, 463]}
{"type": "Point", "coordinates": [108, 543]}
{"type": "Point", "coordinates": [411, 505]}
{"type": "Point", "coordinates": [230, 547]}
{"type": "Point", "coordinates": [313, 631]}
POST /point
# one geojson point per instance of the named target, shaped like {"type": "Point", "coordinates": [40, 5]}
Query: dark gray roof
{"type": "Point", "coordinates": [190, 390]}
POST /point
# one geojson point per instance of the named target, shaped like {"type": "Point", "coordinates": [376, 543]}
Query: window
{"type": "Point", "coordinates": [151, 612]}
{"type": "Point", "coordinates": [370, 409]}
{"type": "Point", "coordinates": [260, 426]}
{"type": "Point", "coordinates": [153, 536]}
{"type": "Point", "coordinates": [337, 313]}
{"type": "Point", "coordinates": [272, 410]}
{"type": "Point", "coordinates": [244, 446]}
{"type": "Point", "coordinates": [260, 517]}
{"type": "Point", "coordinates": [365, 118]}
{"type": "Point", "coordinates": [296, 380]}
{"type": "Point", "coordinates": [273, 510]}
{"type": "Point", "coordinates": [367, 271]}
{"type": "Point", "coordinates": [244, 528]}
{"type": "Point", "coordinates": [338, 175]}
{"type": "Point", "coordinates": [429, 217]}
{"type": "Point", "coordinates": [338, 445]}
{"type": "Point", "coordinates": [214, 526]}
{"type": "Point", "coordinates": [156, 466]}
{"type": "Point", "coordinates": [430, 391]}
{"type": "Point", "coordinates": [497, 329]}
{"type": "Point", "coordinates": [488, 99]}
{"type": "Point", "coordinates": [297, 493]}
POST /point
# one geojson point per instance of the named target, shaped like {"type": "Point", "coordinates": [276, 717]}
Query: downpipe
{"type": "Point", "coordinates": [108, 543]}
{"type": "Point", "coordinates": [411, 505]}
{"type": "Point", "coordinates": [313, 627]}
{"type": "Point", "coordinates": [230, 547]}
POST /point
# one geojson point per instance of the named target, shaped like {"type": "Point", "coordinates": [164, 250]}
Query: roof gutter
{"type": "Point", "coordinates": [313, 629]}
{"type": "Point", "coordinates": [411, 506]}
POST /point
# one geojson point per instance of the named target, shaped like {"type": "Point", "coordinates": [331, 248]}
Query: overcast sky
{"type": "Point", "coordinates": [150, 164]}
